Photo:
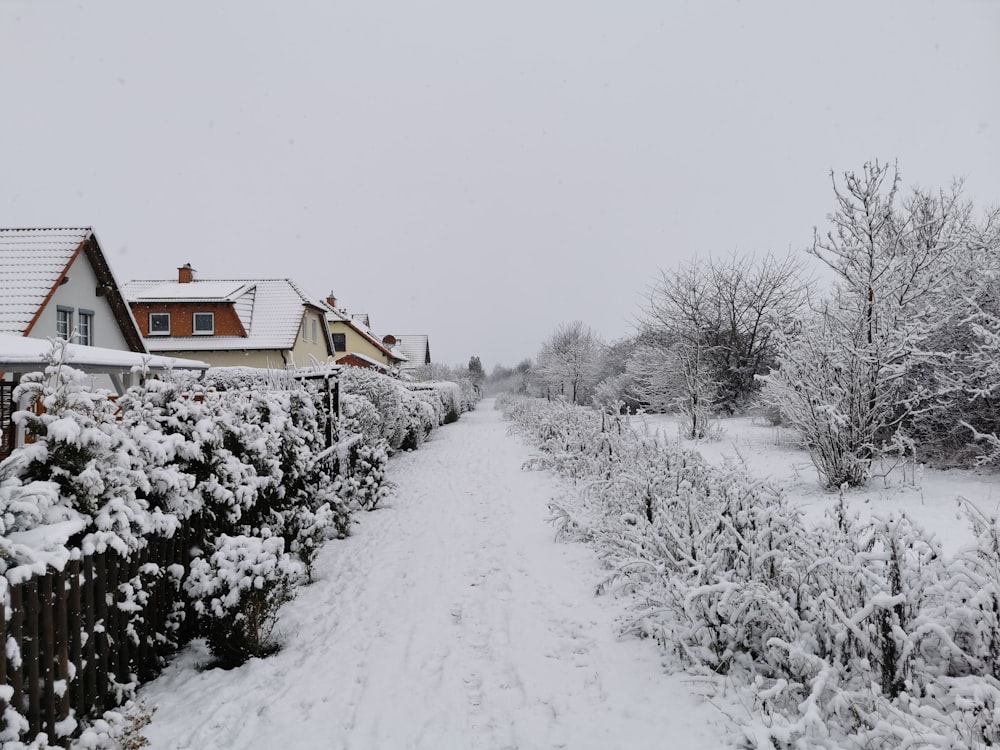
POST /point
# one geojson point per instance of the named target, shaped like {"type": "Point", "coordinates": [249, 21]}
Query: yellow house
{"type": "Point", "coordinates": [354, 342]}
{"type": "Point", "coordinates": [265, 323]}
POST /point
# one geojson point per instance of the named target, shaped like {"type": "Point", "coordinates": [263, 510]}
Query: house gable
{"type": "Point", "coordinates": [416, 348]}
{"type": "Point", "coordinates": [44, 269]}
{"type": "Point", "coordinates": [352, 334]}
{"type": "Point", "coordinates": [226, 321]}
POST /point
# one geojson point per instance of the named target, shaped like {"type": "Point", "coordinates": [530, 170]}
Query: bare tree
{"type": "Point", "coordinates": [714, 322]}
{"type": "Point", "coordinates": [754, 298]}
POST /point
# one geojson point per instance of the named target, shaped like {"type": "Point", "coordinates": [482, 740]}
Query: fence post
{"type": "Point", "coordinates": [89, 646]}
{"type": "Point", "coordinates": [30, 654]}
{"type": "Point", "coordinates": [146, 628]}
{"type": "Point", "coordinates": [76, 627]}
{"type": "Point", "coordinates": [111, 629]}
{"type": "Point", "coordinates": [47, 651]}
{"type": "Point", "coordinates": [100, 639]}
{"type": "Point", "coordinates": [61, 662]}
{"type": "Point", "coordinates": [3, 659]}
{"type": "Point", "coordinates": [16, 673]}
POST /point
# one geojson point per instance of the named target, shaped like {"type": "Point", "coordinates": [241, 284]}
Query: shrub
{"type": "Point", "coordinates": [844, 635]}
{"type": "Point", "coordinates": [237, 589]}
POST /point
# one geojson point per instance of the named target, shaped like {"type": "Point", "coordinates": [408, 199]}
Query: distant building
{"type": "Point", "coordinates": [416, 348]}
{"type": "Point", "coordinates": [355, 343]}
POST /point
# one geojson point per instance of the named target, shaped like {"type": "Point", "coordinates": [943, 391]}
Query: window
{"type": "Point", "coordinates": [315, 328]}
{"type": "Point", "coordinates": [340, 342]}
{"type": "Point", "coordinates": [85, 327]}
{"type": "Point", "coordinates": [305, 329]}
{"type": "Point", "coordinates": [159, 324]}
{"type": "Point", "coordinates": [64, 322]}
{"type": "Point", "coordinates": [204, 324]}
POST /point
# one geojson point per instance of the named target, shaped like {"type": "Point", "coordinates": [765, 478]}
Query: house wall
{"type": "Point", "coordinates": [262, 358]}
{"type": "Point", "coordinates": [227, 322]}
{"type": "Point", "coordinates": [356, 343]}
{"type": "Point", "coordinates": [311, 343]}
{"type": "Point", "coordinates": [80, 293]}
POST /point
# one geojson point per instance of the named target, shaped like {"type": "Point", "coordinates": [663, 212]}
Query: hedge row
{"type": "Point", "coordinates": [846, 635]}
{"type": "Point", "coordinates": [242, 456]}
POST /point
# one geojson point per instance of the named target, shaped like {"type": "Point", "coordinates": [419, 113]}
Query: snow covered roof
{"type": "Point", "coordinates": [344, 360]}
{"type": "Point", "coordinates": [32, 262]}
{"type": "Point", "coordinates": [22, 354]}
{"type": "Point", "coordinates": [270, 309]}
{"type": "Point", "coordinates": [416, 348]}
{"type": "Point", "coordinates": [195, 291]}
{"type": "Point", "coordinates": [335, 315]}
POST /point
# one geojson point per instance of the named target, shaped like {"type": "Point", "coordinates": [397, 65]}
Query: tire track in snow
{"type": "Point", "coordinates": [449, 620]}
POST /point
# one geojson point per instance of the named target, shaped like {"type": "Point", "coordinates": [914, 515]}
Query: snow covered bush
{"type": "Point", "coordinates": [446, 398]}
{"type": "Point", "coordinates": [366, 485]}
{"type": "Point", "coordinates": [358, 416]}
{"type": "Point", "coordinates": [401, 421]}
{"type": "Point", "coordinates": [422, 419]}
{"type": "Point", "coordinates": [237, 589]}
{"type": "Point", "coordinates": [843, 635]}
{"type": "Point", "coordinates": [386, 395]}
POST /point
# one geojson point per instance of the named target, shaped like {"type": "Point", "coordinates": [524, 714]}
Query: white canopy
{"type": "Point", "coordinates": [19, 354]}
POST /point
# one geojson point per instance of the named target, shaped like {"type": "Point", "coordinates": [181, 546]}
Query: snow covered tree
{"type": "Point", "coordinates": [753, 297]}
{"type": "Point", "coordinates": [613, 387]}
{"type": "Point", "coordinates": [713, 322]}
{"type": "Point", "coordinates": [842, 376]}
{"type": "Point", "coordinates": [567, 362]}
{"type": "Point", "coordinates": [683, 312]}
{"type": "Point", "coordinates": [476, 372]}
{"type": "Point", "coordinates": [958, 410]}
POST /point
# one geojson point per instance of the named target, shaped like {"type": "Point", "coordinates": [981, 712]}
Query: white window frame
{"type": "Point", "coordinates": [64, 322]}
{"type": "Point", "coordinates": [194, 324]}
{"type": "Point", "coordinates": [85, 327]}
{"type": "Point", "coordinates": [159, 333]}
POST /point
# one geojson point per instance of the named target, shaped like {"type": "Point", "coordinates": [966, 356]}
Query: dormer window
{"type": "Point", "coordinates": [204, 324]}
{"type": "Point", "coordinates": [159, 324]}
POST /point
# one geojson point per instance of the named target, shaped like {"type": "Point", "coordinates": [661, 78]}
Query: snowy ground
{"type": "Point", "coordinates": [926, 495]}
{"type": "Point", "coordinates": [450, 620]}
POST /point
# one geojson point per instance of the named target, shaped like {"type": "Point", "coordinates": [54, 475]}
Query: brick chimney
{"type": "Point", "coordinates": [185, 274]}
{"type": "Point", "coordinates": [331, 300]}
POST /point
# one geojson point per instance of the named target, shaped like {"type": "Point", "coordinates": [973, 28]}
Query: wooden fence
{"type": "Point", "coordinates": [80, 635]}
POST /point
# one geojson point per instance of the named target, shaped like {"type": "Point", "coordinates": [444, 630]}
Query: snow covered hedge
{"type": "Point", "coordinates": [248, 465]}
{"type": "Point", "coordinates": [405, 412]}
{"type": "Point", "coordinates": [240, 464]}
{"type": "Point", "coordinates": [849, 634]}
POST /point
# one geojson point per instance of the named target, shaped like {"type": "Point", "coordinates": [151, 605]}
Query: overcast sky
{"type": "Point", "coordinates": [479, 172]}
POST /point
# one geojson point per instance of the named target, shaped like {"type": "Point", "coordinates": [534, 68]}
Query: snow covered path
{"type": "Point", "coordinates": [450, 620]}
